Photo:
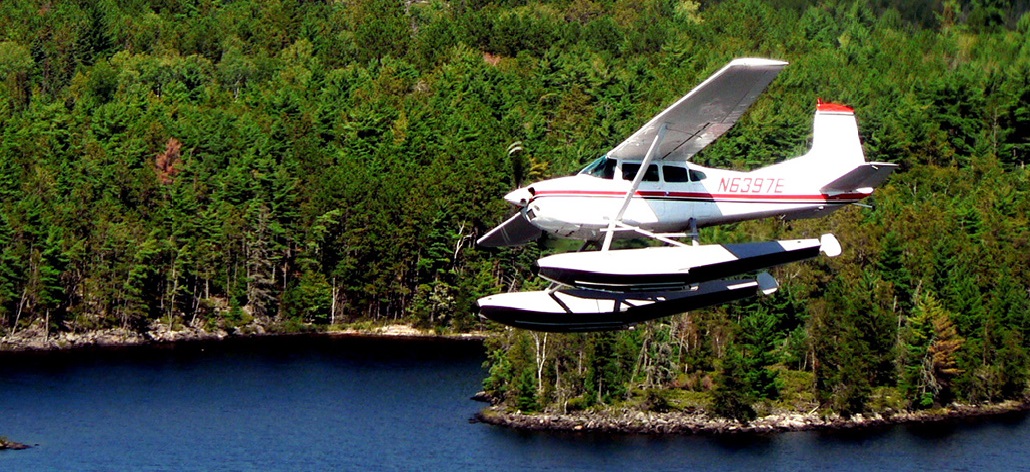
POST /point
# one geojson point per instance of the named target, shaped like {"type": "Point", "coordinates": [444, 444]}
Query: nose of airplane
{"type": "Point", "coordinates": [519, 197]}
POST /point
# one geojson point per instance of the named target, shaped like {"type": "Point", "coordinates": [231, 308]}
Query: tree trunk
{"type": "Point", "coordinates": [175, 288]}
{"type": "Point", "coordinates": [332, 305]}
{"type": "Point", "coordinates": [21, 305]}
{"type": "Point", "coordinates": [541, 359]}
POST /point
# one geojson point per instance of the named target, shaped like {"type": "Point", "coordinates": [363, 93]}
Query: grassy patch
{"type": "Point", "coordinates": [885, 399]}
{"type": "Point", "coordinates": [797, 392]}
{"type": "Point", "coordinates": [686, 400]}
{"type": "Point", "coordinates": [665, 400]}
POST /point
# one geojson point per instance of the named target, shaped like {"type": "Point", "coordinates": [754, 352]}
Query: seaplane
{"type": "Point", "coordinates": [647, 187]}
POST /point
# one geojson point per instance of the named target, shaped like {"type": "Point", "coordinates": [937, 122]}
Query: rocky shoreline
{"type": "Point", "coordinates": [32, 339]}
{"type": "Point", "coordinates": [641, 422]}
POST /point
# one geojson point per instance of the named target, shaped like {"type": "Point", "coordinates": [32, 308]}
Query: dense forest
{"type": "Point", "coordinates": [211, 163]}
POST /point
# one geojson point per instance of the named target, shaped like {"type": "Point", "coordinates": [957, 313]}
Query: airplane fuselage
{"type": "Point", "coordinates": [669, 197]}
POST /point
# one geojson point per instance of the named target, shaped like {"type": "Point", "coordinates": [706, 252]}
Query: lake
{"type": "Point", "coordinates": [318, 403]}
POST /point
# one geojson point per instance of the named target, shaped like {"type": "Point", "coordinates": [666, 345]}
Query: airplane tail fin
{"type": "Point", "coordinates": [836, 160]}
{"type": "Point", "coordinates": [835, 136]}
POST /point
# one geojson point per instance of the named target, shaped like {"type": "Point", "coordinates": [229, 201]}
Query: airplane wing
{"type": "Point", "coordinates": [704, 114]}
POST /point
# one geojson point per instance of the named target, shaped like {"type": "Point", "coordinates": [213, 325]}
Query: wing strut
{"type": "Point", "coordinates": [612, 223]}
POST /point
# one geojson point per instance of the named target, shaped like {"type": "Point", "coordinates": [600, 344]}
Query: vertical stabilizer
{"type": "Point", "coordinates": [835, 137]}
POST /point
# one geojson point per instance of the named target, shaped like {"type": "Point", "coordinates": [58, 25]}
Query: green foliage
{"type": "Point", "coordinates": [312, 162]}
{"type": "Point", "coordinates": [930, 344]}
{"type": "Point", "coordinates": [310, 300]}
{"type": "Point", "coordinates": [746, 375]}
{"type": "Point", "coordinates": [735, 392]}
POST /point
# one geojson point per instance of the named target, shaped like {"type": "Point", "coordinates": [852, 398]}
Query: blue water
{"type": "Point", "coordinates": [359, 404]}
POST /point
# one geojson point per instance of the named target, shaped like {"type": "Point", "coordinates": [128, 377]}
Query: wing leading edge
{"type": "Point", "coordinates": [704, 114]}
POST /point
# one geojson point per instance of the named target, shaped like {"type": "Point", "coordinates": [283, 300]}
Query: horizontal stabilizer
{"type": "Point", "coordinates": [576, 310]}
{"type": "Point", "coordinates": [671, 268]}
{"type": "Point", "coordinates": [868, 175]}
{"type": "Point", "coordinates": [513, 232]}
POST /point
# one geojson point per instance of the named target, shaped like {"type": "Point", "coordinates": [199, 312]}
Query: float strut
{"type": "Point", "coordinates": [692, 233]}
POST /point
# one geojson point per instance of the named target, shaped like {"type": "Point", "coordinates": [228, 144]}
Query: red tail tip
{"type": "Point", "coordinates": [832, 107]}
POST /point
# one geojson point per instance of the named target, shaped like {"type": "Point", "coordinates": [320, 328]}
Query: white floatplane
{"type": "Point", "coordinates": [646, 187]}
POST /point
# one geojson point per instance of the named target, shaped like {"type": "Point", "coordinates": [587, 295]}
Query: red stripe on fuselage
{"type": "Point", "coordinates": [712, 197]}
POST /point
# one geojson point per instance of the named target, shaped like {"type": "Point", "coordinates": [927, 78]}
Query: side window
{"type": "Point", "coordinates": [652, 174]}
{"type": "Point", "coordinates": [629, 171]}
{"type": "Point", "coordinates": [675, 174]}
{"type": "Point", "coordinates": [682, 174]}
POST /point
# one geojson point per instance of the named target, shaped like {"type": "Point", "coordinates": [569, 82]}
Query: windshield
{"type": "Point", "coordinates": [601, 167]}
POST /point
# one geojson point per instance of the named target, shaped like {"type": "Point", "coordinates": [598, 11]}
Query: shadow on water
{"type": "Point", "coordinates": [936, 431]}
{"type": "Point", "coordinates": [274, 347]}
{"type": "Point", "coordinates": [854, 435]}
{"type": "Point", "coordinates": [753, 442]}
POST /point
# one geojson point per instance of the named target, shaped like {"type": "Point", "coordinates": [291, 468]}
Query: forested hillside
{"type": "Point", "coordinates": [305, 163]}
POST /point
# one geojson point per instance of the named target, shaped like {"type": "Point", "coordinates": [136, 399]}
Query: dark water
{"type": "Point", "coordinates": [357, 404]}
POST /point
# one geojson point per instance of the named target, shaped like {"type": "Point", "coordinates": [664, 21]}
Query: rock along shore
{"type": "Point", "coordinates": [641, 422]}
{"type": "Point", "coordinates": [35, 340]}
{"type": "Point", "coordinates": [6, 444]}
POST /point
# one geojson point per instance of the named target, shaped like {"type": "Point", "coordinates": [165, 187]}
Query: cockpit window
{"type": "Point", "coordinates": [601, 167]}
{"type": "Point", "coordinates": [629, 172]}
